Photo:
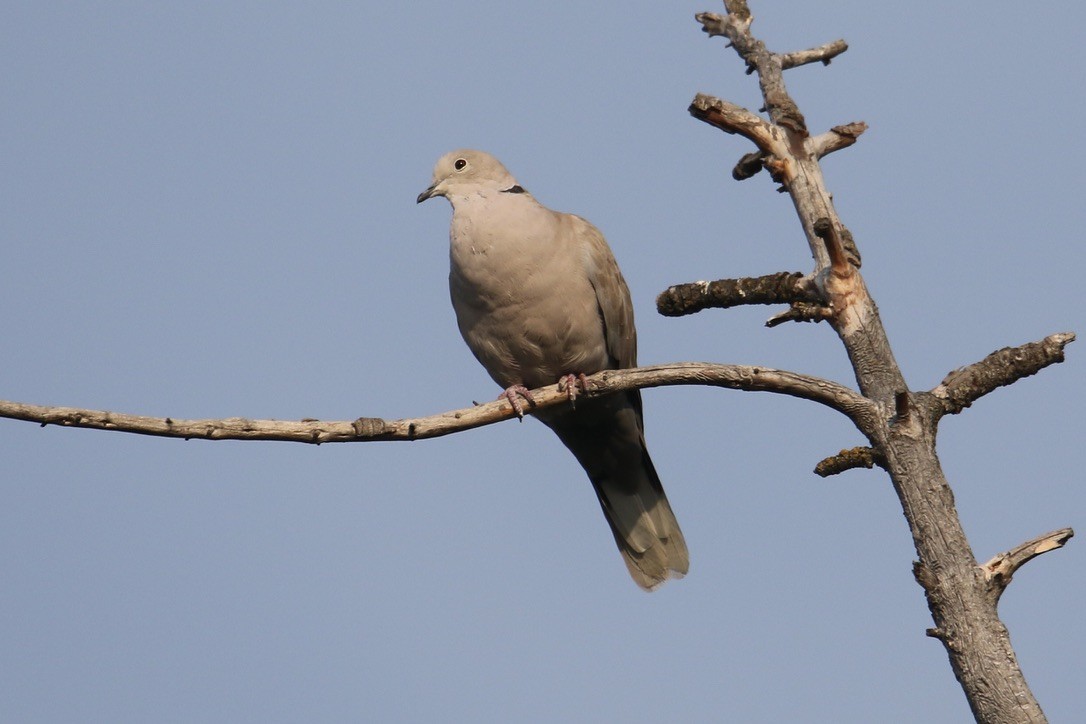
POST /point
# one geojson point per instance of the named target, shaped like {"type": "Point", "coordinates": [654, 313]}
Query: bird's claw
{"type": "Point", "coordinates": [513, 393]}
{"type": "Point", "coordinates": [569, 383]}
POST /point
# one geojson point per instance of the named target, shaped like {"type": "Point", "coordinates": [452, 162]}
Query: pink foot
{"type": "Point", "coordinates": [513, 393]}
{"type": "Point", "coordinates": [569, 383]}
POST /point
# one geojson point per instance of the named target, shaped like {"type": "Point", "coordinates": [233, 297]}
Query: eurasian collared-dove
{"type": "Point", "coordinates": [538, 298]}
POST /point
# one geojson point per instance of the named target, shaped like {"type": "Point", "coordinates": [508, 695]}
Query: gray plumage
{"type": "Point", "coordinates": [538, 296]}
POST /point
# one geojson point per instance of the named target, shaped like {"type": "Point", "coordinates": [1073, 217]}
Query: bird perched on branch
{"type": "Point", "coordinates": [539, 299]}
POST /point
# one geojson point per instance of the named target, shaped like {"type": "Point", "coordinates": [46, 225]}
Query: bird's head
{"type": "Point", "coordinates": [466, 171]}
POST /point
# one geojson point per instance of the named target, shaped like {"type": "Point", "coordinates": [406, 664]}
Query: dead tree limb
{"type": "Point", "coordinates": [1001, 568]}
{"type": "Point", "coordinates": [363, 429]}
{"type": "Point", "coordinates": [857, 457]}
{"type": "Point", "coordinates": [962, 595]}
{"type": "Point", "coordinates": [964, 386]}
{"type": "Point", "coordinates": [780, 288]}
{"type": "Point", "coordinates": [822, 54]}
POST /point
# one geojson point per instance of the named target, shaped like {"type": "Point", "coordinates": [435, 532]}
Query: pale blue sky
{"type": "Point", "coordinates": [208, 209]}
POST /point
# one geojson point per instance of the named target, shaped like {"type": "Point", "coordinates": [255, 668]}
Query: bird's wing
{"type": "Point", "coordinates": [612, 294]}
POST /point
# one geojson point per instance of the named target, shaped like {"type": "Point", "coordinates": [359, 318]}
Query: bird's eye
{"type": "Point", "coordinates": [459, 164]}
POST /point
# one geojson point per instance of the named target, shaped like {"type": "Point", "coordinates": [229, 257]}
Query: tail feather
{"type": "Point", "coordinates": [606, 437]}
{"type": "Point", "coordinates": [645, 528]}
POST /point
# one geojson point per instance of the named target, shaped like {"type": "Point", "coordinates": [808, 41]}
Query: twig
{"type": "Point", "coordinates": [801, 312]}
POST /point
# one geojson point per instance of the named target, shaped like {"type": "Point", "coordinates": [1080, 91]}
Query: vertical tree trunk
{"type": "Point", "coordinates": [961, 594]}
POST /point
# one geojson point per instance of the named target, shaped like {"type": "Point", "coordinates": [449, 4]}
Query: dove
{"type": "Point", "coordinates": [539, 299]}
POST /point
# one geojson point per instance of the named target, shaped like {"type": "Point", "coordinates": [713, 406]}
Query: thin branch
{"type": "Point", "coordinates": [857, 457]}
{"type": "Point", "coordinates": [779, 288]}
{"type": "Point", "coordinates": [822, 54]}
{"type": "Point", "coordinates": [715, 24]}
{"type": "Point", "coordinates": [964, 386]}
{"type": "Point", "coordinates": [801, 312]}
{"type": "Point", "coordinates": [835, 139]}
{"type": "Point", "coordinates": [737, 377]}
{"type": "Point", "coordinates": [999, 571]}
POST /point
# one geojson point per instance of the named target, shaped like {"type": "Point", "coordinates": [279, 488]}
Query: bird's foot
{"type": "Point", "coordinates": [513, 393]}
{"type": "Point", "coordinates": [569, 383]}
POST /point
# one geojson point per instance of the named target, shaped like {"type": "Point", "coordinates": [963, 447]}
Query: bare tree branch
{"type": "Point", "coordinates": [715, 24]}
{"type": "Point", "coordinates": [736, 377]}
{"type": "Point", "coordinates": [736, 119]}
{"type": "Point", "coordinates": [800, 312]}
{"type": "Point", "coordinates": [835, 139]}
{"type": "Point", "coordinates": [822, 54]}
{"type": "Point", "coordinates": [1000, 569]}
{"type": "Point", "coordinates": [857, 457]}
{"type": "Point", "coordinates": [779, 288]}
{"type": "Point", "coordinates": [964, 386]}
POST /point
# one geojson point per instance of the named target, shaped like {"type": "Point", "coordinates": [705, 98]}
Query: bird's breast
{"type": "Point", "coordinates": [524, 305]}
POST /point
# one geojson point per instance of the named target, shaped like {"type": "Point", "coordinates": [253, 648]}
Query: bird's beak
{"type": "Point", "coordinates": [428, 193]}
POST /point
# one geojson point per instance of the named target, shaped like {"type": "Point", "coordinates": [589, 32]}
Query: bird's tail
{"type": "Point", "coordinates": [644, 526]}
{"type": "Point", "coordinates": [606, 437]}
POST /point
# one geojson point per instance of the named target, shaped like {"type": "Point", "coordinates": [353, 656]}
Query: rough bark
{"type": "Point", "coordinates": [961, 594]}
